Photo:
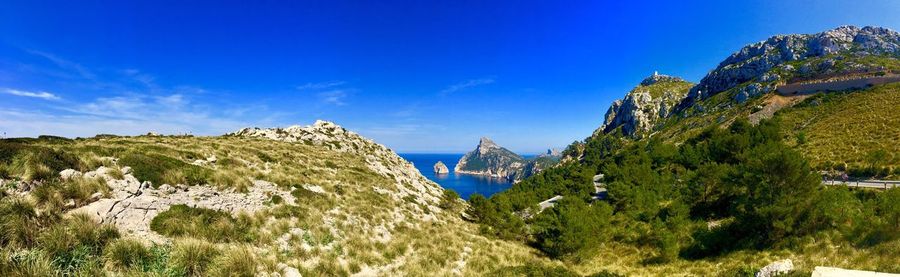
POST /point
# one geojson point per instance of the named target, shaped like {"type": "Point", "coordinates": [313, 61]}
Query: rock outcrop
{"type": "Point", "coordinates": [776, 268]}
{"type": "Point", "coordinates": [379, 158]}
{"type": "Point", "coordinates": [489, 159]}
{"type": "Point", "coordinates": [441, 168]}
{"type": "Point", "coordinates": [645, 105]}
{"type": "Point", "coordinates": [754, 62]}
{"type": "Point", "coordinates": [132, 204]}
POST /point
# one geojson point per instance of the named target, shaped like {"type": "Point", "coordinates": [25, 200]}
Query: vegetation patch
{"type": "Point", "coordinates": [212, 225]}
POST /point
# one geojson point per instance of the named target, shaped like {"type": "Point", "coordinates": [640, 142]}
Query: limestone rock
{"type": "Point", "coordinates": [776, 268]}
{"type": "Point", "coordinates": [380, 159]}
{"type": "Point", "coordinates": [441, 168]}
{"type": "Point", "coordinates": [645, 105]}
{"type": "Point", "coordinates": [69, 174]}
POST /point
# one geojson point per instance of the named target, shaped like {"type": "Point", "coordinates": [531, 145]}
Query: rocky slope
{"type": "Point", "coordinates": [645, 105]}
{"type": "Point", "coordinates": [311, 200]}
{"type": "Point", "coordinates": [770, 61]}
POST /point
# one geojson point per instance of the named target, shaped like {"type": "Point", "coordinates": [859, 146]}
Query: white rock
{"type": "Point", "coordinates": [776, 268]}
{"type": "Point", "coordinates": [69, 174]}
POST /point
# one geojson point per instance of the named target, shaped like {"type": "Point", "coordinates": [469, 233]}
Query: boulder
{"type": "Point", "coordinates": [776, 268]}
{"type": "Point", "coordinates": [69, 174]}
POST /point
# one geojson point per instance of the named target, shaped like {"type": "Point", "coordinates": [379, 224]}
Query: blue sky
{"type": "Point", "coordinates": [417, 76]}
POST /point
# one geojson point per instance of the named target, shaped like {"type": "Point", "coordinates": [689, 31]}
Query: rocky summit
{"type": "Point", "coordinates": [645, 105]}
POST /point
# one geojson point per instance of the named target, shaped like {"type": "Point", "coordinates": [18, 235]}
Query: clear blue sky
{"type": "Point", "coordinates": [417, 76]}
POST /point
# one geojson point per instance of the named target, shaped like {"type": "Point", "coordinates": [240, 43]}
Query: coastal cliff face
{"type": "Point", "coordinates": [490, 159]}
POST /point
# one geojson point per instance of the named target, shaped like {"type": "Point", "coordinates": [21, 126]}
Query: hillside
{"type": "Point", "coordinates": [315, 200]}
{"type": "Point", "coordinates": [857, 131]}
{"type": "Point", "coordinates": [723, 177]}
{"type": "Point", "coordinates": [746, 85]}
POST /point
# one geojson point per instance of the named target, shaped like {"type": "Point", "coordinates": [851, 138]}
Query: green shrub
{"type": "Point", "coordinates": [159, 169]}
{"type": "Point", "coordinates": [75, 243]}
{"type": "Point", "coordinates": [26, 263]}
{"type": "Point", "coordinates": [218, 226]}
{"type": "Point", "coordinates": [127, 253]}
{"type": "Point", "coordinates": [571, 226]}
{"type": "Point", "coordinates": [449, 200]}
{"type": "Point", "coordinates": [19, 223]}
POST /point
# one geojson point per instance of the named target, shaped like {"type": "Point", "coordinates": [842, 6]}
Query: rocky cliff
{"type": "Point", "coordinates": [645, 105]}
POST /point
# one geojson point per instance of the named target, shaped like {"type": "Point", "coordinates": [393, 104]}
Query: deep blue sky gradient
{"type": "Point", "coordinates": [418, 76]}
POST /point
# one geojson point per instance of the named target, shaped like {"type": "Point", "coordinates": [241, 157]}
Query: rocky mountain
{"type": "Point", "coordinates": [737, 85]}
{"type": "Point", "coordinates": [754, 64]}
{"type": "Point", "coordinates": [303, 200]}
{"type": "Point", "coordinates": [645, 106]}
{"type": "Point", "coordinates": [816, 84]}
{"type": "Point", "coordinates": [490, 159]}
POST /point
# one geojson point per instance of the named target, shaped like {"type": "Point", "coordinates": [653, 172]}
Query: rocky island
{"type": "Point", "coordinates": [441, 168]}
{"type": "Point", "coordinates": [492, 160]}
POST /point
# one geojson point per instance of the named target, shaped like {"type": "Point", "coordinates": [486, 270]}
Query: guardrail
{"type": "Point", "coordinates": [876, 184]}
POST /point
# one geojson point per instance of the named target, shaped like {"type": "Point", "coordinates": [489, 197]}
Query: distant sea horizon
{"type": "Point", "coordinates": [463, 184]}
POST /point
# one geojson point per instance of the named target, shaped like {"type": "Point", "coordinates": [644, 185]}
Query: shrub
{"type": "Point", "coordinates": [26, 263]}
{"type": "Point", "coordinates": [219, 226]}
{"type": "Point", "coordinates": [19, 224]}
{"type": "Point", "coordinates": [75, 244]}
{"type": "Point", "coordinates": [237, 261]}
{"type": "Point", "coordinates": [126, 253]}
{"type": "Point", "coordinates": [115, 173]}
{"type": "Point", "coordinates": [159, 169]}
{"type": "Point", "coordinates": [449, 200]}
{"type": "Point", "coordinates": [193, 257]}
{"type": "Point", "coordinates": [571, 226]}
{"type": "Point", "coordinates": [532, 269]}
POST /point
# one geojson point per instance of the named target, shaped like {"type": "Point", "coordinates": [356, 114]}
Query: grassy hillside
{"type": "Point", "coordinates": [351, 213]}
{"type": "Point", "coordinates": [858, 130]}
